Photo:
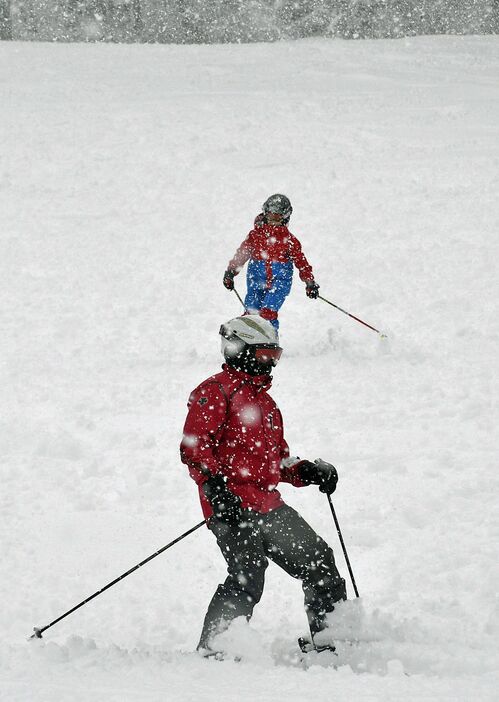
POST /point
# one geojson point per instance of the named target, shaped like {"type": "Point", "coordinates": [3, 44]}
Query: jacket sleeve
{"type": "Point", "coordinates": [202, 431]}
{"type": "Point", "coordinates": [242, 254]}
{"type": "Point", "coordinates": [298, 258]}
{"type": "Point", "coordinates": [290, 466]}
{"type": "Point", "coordinates": [290, 471]}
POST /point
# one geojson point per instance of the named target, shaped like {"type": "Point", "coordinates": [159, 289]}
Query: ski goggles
{"type": "Point", "coordinates": [268, 354]}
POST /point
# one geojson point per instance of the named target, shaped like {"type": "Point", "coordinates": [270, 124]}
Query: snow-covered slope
{"type": "Point", "coordinates": [128, 175]}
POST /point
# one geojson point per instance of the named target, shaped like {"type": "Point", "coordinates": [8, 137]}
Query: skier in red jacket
{"type": "Point", "coordinates": [271, 250]}
{"type": "Point", "coordinates": [233, 444]}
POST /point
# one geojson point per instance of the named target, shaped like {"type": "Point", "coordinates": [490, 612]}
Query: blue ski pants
{"type": "Point", "coordinates": [260, 294]}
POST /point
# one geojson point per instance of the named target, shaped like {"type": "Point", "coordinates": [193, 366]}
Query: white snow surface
{"type": "Point", "coordinates": [128, 176]}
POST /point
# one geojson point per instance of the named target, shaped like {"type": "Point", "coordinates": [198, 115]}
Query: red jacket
{"type": "Point", "coordinates": [272, 244]}
{"type": "Point", "coordinates": [234, 427]}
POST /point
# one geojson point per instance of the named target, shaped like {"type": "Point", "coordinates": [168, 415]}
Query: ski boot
{"type": "Point", "coordinates": [307, 646]}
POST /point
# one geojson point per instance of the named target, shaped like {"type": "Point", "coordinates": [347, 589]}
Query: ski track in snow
{"type": "Point", "coordinates": [128, 176]}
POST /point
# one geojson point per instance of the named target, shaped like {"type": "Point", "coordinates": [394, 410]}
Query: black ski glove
{"type": "Point", "coordinates": [319, 473]}
{"type": "Point", "coordinates": [228, 280]}
{"type": "Point", "coordinates": [226, 506]}
{"type": "Point", "coordinates": [312, 289]}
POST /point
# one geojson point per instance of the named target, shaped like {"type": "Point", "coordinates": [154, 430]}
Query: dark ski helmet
{"type": "Point", "coordinates": [250, 344]}
{"type": "Point", "coordinates": [278, 204]}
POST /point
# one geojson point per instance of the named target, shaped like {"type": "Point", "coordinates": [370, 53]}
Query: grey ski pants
{"type": "Point", "coordinates": [285, 537]}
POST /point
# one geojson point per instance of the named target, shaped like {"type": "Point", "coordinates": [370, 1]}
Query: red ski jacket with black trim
{"type": "Point", "coordinates": [272, 244]}
{"type": "Point", "coordinates": [235, 428]}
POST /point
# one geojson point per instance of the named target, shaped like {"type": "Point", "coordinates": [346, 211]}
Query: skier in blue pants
{"type": "Point", "coordinates": [271, 250]}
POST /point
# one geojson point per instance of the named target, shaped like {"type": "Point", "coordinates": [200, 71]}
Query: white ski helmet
{"type": "Point", "coordinates": [251, 344]}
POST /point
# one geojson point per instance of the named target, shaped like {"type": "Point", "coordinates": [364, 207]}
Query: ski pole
{"type": "Point", "coordinates": [343, 546]}
{"type": "Point", "coordinates": [39, 631]}
{"type": "Point", "coordinates": [240, 299]}
{"type": "Point", "coordinates": [383, 336]}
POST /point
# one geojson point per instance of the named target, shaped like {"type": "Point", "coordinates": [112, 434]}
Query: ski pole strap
{"type": "Point", "coordinates": [39, 631]}
{"type": "Point", "coordinates": [349, 315]}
